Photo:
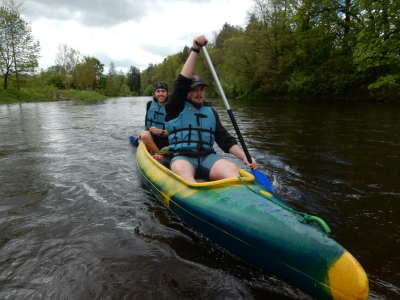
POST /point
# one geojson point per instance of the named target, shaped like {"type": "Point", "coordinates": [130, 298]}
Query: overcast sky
{"type": "Point", "coordinates": [128, 32]}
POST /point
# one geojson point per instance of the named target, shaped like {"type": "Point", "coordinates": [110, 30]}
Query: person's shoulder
{"type": "Point", "coordinates": [183, 78]}
{"type": "Point", "coordinates": [213, 110]}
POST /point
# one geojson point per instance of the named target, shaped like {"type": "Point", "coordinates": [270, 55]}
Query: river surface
{"type": "Point", "coordinates": [77, 223]}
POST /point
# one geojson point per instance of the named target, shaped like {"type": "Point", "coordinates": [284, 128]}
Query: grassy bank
{"type": "Point", "coordinates": [12, 95]}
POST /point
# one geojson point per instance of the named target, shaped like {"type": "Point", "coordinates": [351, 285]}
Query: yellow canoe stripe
{"type": "Point", "coordinates": [265, 193]}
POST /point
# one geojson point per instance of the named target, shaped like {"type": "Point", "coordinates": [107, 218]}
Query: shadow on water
{"type": "Point", "coordinates": [77, 223]}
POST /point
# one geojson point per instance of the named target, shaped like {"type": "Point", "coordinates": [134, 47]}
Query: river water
{"type": "Point", "coordinates": [77, 223]}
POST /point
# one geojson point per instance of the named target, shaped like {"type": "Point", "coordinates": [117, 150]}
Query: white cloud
{"type": "Point", "coordinates": [128, 32]}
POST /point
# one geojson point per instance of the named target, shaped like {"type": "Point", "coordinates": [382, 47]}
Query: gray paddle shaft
{"type": "Point", "coordinates": [228, 108]}
{"type": "Point", "coordinates": [221, 91]}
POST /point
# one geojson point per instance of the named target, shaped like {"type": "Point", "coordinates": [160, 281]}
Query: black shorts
{"type": "Point", "coordinates": [161, 142]}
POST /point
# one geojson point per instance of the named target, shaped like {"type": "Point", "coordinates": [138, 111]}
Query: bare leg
{"type": "Point", "coordinates": [147, 139]}
{"type": "Point", "coordinates": [223, 169]}
{"type": "Point", "coordinates": [184, 169]}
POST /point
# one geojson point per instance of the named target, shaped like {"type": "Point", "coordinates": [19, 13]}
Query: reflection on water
{"type": "Point", "coordinates": [77, 223]}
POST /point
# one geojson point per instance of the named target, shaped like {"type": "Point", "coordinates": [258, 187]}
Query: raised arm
{"type": "Point", "coordinates": [188, 68]}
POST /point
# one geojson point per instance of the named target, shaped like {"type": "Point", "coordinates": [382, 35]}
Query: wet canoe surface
{"type": "Point", "coordinates": [251, 222]}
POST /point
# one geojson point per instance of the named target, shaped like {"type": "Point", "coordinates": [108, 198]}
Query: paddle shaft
{"type": "Point", "coordinates": [228, 108]}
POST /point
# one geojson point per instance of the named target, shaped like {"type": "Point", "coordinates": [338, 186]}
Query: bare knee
{"type": "Point", "coordinates": [223, 169]}
{"type": "Point", "coordinates": [145, 136]}
{"type": "Point", "coordinates": [183, 169]}
{"type": "Point", "coordinates": [231, 170]}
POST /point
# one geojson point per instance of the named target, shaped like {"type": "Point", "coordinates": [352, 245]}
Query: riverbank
{"type": "Point", "coordinates": [12, 95]}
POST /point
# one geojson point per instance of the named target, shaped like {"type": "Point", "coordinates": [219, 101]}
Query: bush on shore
{"type": "Point", "coordinates": [12, 95]}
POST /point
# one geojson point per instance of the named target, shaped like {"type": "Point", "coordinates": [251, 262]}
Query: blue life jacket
{"type": "Point", "coordinates": [155, 117]}
{"type": "Point", "coordinates": [193, 129]}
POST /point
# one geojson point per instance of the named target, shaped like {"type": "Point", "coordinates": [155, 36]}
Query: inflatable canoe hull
{"type": "Point", "coordinates": [250, 221]}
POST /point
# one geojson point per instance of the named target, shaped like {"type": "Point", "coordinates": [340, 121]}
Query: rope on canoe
{"type": "Point", "coordinates": [301, 216]}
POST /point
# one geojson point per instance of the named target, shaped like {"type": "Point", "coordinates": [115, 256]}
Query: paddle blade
{"type": "Point", "coordinates": [261, 178]}
{"type": "Point", "coordinates": [134, 141]}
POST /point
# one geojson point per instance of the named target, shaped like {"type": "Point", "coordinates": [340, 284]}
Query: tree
{"type": "Point", "coordinates": [99, 69]}
{"type": "Point", "coordinates": [75, 61]}
{"type": "Point", "coordinates": [64, 58]}
{"type": "Point", "coordinates": [14, 5]}
{"type": "Point", "coordinates": [88, 73]}
{"type": "Point", "coordinates": [146, 77]}
{"type": "Point", "coordinates": [377, 52]}
{"type": "Point", "coordinates": [19, 52]}
{"type": "Point", "coordinates": [124, 91]}
{"type": "Point", "coordinates": [6, 59]}
{"type": "Point", "coordinates": [53, 77]}
{"type": "Point", "coordinates": [120, 79]}
{"type": "Point", "coordinates": [168, 71]}
{"type": "Point", "coordinates": [227, 32]}
{"type": "Point", "coordinates": [184, 54]}
{"type": "Point", "coordinates": [112, 87]}
{"type": "Point", "coordinates": [240, 67]}
{"type": "Point", "coordinates": [149, 90]}
{"type": "Point", "coordinates": [133, 79]}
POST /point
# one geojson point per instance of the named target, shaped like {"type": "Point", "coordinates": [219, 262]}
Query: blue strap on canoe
{"type": "Point", "coordinates": [301, 217]}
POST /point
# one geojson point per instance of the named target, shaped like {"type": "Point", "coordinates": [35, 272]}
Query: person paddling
{"type": "Point", "coordinates": [193, 127]}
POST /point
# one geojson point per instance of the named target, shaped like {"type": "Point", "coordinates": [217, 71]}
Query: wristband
{"type": "Point", "coordinates": [195, 50]}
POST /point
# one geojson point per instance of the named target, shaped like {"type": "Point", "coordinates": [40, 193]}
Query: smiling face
{"type": "Point", "coordinates": [161, 96]}
{"type": "Point", "coordinates": [196, 95]}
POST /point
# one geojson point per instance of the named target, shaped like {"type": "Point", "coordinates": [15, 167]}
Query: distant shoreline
{"type": "Point", "coordinates": [26, 95]}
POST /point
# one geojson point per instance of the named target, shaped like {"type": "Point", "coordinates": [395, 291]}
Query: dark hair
{"type": "Point", "coordinates": [161, 85]}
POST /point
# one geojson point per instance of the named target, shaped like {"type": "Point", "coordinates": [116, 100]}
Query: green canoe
{"type": "Point", "coordinates": [250, 221]}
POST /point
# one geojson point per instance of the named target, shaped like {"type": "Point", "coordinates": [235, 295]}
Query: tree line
{"type": "Point", "coordinates": [303, 49]}
{"type": "Point", "coordinates": [298, 49]}
{"type": "Point", "coordinates": [81, 72]}
{"type": "Point", "coordinates": [20, 52]}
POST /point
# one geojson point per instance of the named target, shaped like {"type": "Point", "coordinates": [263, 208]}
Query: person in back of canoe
{"type": "Point", "coordinates": [154, 136]}
{"type": "Point", "coordinates": [193, 127]}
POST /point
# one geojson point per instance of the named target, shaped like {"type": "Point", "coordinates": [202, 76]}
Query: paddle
{"type": "Point", "coordinates": [134, 141]}
{"type": "Point", "coordinates": [260, 177]}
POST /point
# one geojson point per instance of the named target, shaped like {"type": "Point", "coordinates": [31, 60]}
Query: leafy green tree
{"type": "Point", "coordinates": [149, 90]}
{"type": "Point", "coordinates": [112, 82]}
{"type": "Point", "coordinates": [102, 83]}
{"type": "Point", "coordinates": [133, 79]}
{"type": "Point", "coordinates": [55, 80]}
{"type": "Point", "coordinates": [377, 51]}
{"type": "Point", "coordinates": [6, 59]}
{"type": "Point", "coordinates": [271, 44]}
{"type": "Point", "coordinates": [184, 54]}
{"type": "Point", "coordinates": [228, 31]}
{"type": "Point", "coordinates": [240, 67]}
{"type": "Point", "coordinates": [121, 79]}
{"type": "Point", "coordinates": [169, 70]}
{"type": "Point", "coordinates": [146, 77]}
{"type": "Point", "coordinates": [65, 60]}
{"type": "Point", "coordinates": [75, 61]}
{"type": "Point", "coordinates": [88, 73]}
{"type": "Point", "coordinates": [326, 36]}
{"type": "Point", "coordinates": [19, 52]}
{"type": "Point", "coordinates": [125, 91]}
{"type": "Point", "coordinates": [217, 51]}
